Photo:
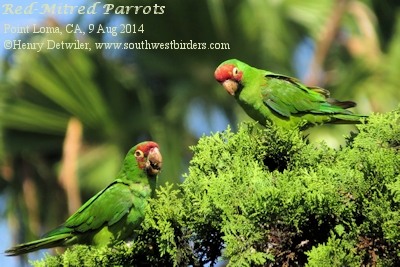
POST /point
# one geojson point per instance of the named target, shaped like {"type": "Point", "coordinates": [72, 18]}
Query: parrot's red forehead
{"type": "Point", "coordinates": [145, 147]}
{"type": "Point", "coordinates": [224, 72]}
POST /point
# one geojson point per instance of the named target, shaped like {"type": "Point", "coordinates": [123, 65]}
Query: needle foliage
{"type": "Point", "coordinates": [268, 197]}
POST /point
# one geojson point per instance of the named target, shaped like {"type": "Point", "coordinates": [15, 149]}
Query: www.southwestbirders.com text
{"type": "Point", "coordinates": [11, 9]}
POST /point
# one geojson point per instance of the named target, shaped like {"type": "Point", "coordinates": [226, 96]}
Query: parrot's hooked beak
{"type": "Point", "coordinates": [154, 161]}
{"type": "Point", "coordinates": [230, 86]}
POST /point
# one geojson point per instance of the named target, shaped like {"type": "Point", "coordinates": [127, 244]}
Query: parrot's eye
{"type": "Point", "coordinates": [139, 154]}
{"type": "Point", "coordinates": [235, 71]}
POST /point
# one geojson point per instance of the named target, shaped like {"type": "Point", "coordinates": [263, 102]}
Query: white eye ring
{"type": "Point", "coordinates": [139, 153]}
{"type": "Point", "coordinates": [235, 71]}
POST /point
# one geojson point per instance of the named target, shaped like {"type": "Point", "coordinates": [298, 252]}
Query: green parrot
{"type": "Point", "coordinates": [114, 212]}
{"type": "Point", "coordinates": [282, 100]}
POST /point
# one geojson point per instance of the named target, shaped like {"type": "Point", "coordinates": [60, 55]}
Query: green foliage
{"type": "Point", "coordinates": [268, 197]}
{"type": "Point", "coordinates": [336, 252]}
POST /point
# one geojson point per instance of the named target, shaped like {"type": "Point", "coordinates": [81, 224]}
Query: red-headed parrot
{"type": "Point", "coordinates": [115, 212]}
{"type": "Point", "coordinates": [285, 101]}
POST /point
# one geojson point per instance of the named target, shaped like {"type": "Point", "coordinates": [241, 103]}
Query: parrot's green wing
{"type": "Point", "coordinates": [288, 96]}
{"type": "Point", "coordinates": [97, 211]}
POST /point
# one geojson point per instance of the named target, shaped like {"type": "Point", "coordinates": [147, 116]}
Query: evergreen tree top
{"type": "Point", "coordinates": [268, 197]}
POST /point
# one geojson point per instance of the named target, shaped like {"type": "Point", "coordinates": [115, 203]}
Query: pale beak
{"type": "Point", "coordinates": [230, 86]}
{"type": "Point", "coordinates": [154, 161]}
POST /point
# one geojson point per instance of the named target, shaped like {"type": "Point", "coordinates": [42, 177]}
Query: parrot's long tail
{"type": "Point", "coordinates": [348, 119]}
{"type": "Point", "coordinates": [47, 242]}
{"type": "Point", "coordinates": [342, 104]}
